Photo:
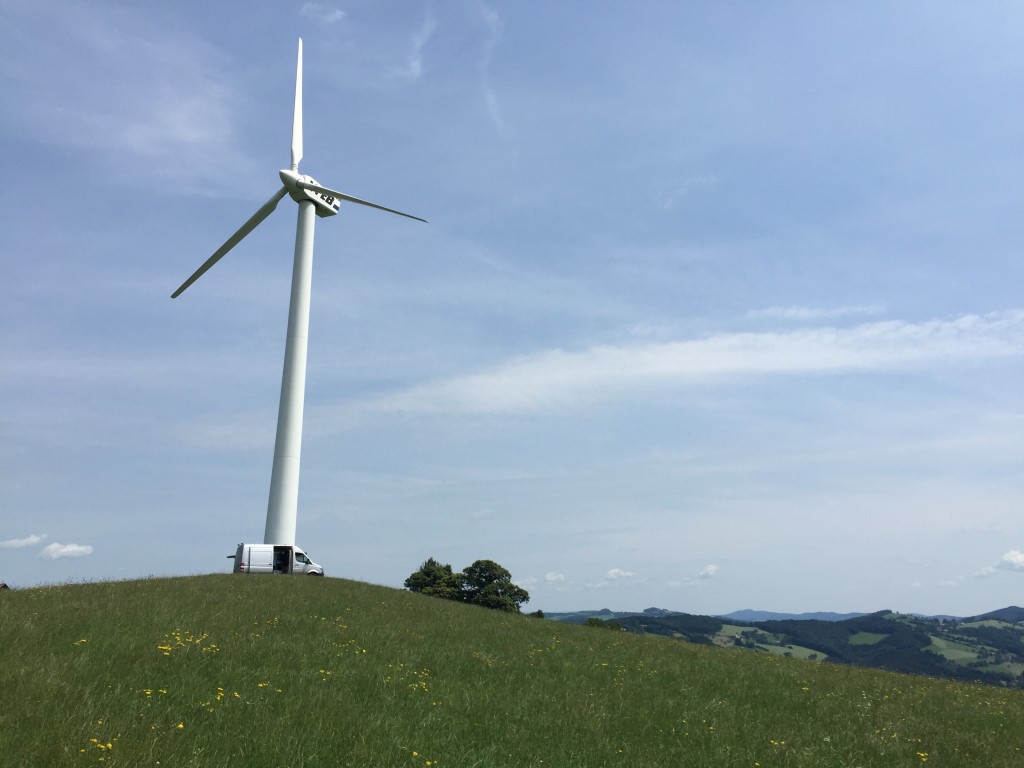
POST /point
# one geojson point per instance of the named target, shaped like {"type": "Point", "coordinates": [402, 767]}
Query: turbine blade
{"type": "Point", "coordinates": [297, 114]}
{"type": "Point", "coordinates": [342, 196]}
{"type": "Point", "coordinates": [265, 210]}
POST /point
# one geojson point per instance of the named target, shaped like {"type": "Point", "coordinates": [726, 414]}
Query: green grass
{"type": "Point", "coordinates": [230, 670]}
{"type": "Point", "coordinates": [766, 642]}
{"type": "Point", "coordinates": [989, 623]}
{"type": "Point", "coordinates": [793, 651]}
{"type": "Point", "coordinates": [953, 650]}
{"type": "Point", "coordinates": [1008, 667]}
{"type": "Point", "coordinates": [732, 630]}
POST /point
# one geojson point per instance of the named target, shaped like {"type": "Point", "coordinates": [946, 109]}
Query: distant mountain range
{"type": "Point", "coordinates": [988, 648]}
{"type": "Point", "coordinates": [750, 615]}
{"type": "Point", "coordinates": [579, 617]}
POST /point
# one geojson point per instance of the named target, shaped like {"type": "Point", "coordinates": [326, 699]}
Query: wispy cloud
{"type": "Point", "coordinates": [28, 541]}
{"type": "Point", "coordinates": [413, 68]}
{"type": "Point", "coordinates": [706, 573]}
{"type": "Point", "coordinates": [618, 577]}
{"type": "Point", "coordinates": [56, 551]}
{"type": "Point", "coordinates": [157, 107]}
{"type": "Point", "coordinates": [556, 378]}
{"type": "Point", "coordinates": [493, 24]}
{"type": "Point", "coordinates": [1011, 561]}
{"type": "Point", "coordinates": [322, 13]}
{"type": "Point", "coordinates": [555, 581]}
{"type": "Point", "coordinates": [815, 313]}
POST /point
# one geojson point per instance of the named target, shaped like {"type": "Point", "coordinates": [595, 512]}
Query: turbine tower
{"type": "Point", "coordinates": [312, 199]}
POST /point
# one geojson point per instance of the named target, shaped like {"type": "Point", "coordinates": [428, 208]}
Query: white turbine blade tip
{"type": "Point", "coordinates": [297, 113]}
{"type": "Point", "coordinates": [265, 210]}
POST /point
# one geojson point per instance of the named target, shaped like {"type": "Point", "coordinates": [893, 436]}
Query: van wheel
{"type": "Point", "coordinates": [314, 573]}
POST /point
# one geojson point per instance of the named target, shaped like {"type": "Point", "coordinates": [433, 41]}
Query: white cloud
{"type": "Point", "coordinates": [1011, 561]}
{"type": "Point", "coordinates": [558, 378]}
{"type": "Point", "coordinates": [554, 581]}
{"type": "Point", "coordinates": [618, 577]}
{"type": "Point", "coordinates": [705, 574]}
{"type": "Point", "coordinates": [708, 572]}
{"type": "Point", "coordinates": [56, 551]}
{"type": "Point", "coordinates": [616, 574]}
{"type": "Point", "coordinates": [28, 541]}
{"type": "Point", "coordinates": [322, 13]}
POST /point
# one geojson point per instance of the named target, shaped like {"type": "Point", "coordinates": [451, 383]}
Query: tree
{"type": "Point", "coordinates": [436, 579]}
{"type": "Point", "coordinates": [487, 584]}
{"type": "Point", "coordinates": [484, 583]}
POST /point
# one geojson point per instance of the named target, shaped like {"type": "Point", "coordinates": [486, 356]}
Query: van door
{"type": "Point", "coordinates": [282, 559]}
{"type": "Point", "coordinates": [301, 562]}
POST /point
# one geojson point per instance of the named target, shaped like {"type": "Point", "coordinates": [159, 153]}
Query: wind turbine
{"type": "Point", "coordinates": [312, 199]}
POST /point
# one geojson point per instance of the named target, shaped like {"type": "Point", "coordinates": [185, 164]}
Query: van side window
{"type": "Point", "coordinates": [301, 558]}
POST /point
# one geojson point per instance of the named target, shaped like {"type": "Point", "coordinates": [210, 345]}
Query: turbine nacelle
{"type": "Point", "coordinates": [327, 200]}
{"type": "Point", "coordinates": [302, 187]}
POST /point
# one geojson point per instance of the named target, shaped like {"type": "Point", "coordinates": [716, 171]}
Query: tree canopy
{"type": "Point", "coordinates": [484, 583]}
{"type": "Point", "coordinates": [436, 579]}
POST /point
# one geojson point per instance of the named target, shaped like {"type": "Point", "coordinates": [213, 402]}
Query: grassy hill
{"type": "Point", "coordinates": [227, 670]}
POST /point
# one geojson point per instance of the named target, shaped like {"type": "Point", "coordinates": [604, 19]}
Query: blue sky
{"type": "Point", "coordinates": [718, 306]}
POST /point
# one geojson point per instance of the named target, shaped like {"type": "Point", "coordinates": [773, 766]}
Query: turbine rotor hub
{"type": "Point", "coordinates": [326, 204]}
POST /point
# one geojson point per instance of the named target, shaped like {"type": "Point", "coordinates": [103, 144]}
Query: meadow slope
{"type": "Point", "coordinates": [227, 670]}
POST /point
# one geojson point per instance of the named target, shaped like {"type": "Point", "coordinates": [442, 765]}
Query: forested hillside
{"type": "Point", "coordinates": [988, 648]}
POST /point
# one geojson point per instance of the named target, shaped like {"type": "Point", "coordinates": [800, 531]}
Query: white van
{"type": "Point", "coordinates": [273, 558]}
